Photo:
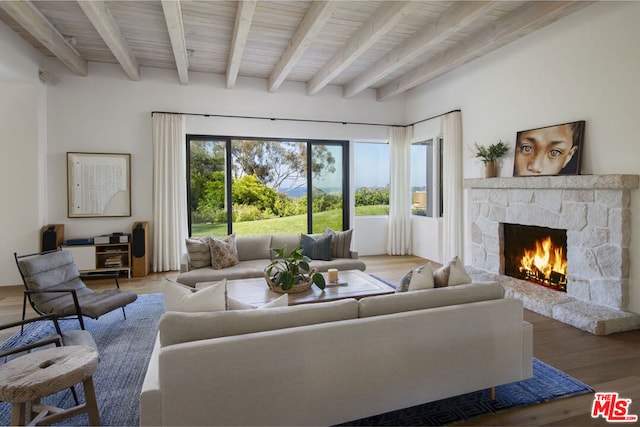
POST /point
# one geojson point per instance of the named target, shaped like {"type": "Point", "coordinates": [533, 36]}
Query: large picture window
{"type": "Point", "coordinates": [371, 182]}
{"type": "Point", "coordinates": [266, 186]}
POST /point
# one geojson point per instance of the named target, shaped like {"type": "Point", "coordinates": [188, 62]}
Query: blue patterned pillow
{"type": "Point", "coordinates": [319, 248]}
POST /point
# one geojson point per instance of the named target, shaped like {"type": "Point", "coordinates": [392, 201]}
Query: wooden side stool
{"type": "Point", "coordinates": [27, 379]}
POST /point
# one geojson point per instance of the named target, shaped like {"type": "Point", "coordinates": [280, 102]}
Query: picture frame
{"type": "Point", "coordinates": [98, 185]}
{"type": "Point", "coordinates": [550, 150]}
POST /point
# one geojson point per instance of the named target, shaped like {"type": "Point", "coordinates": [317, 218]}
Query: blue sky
{"type": "Point", "coordinates": [371, 165]}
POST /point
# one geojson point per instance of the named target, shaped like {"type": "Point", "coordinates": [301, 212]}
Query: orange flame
{"type": "Point", "coordinates": [544, 258]}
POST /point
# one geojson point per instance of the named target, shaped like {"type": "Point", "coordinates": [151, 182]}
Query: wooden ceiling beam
{"type": "Point", "coordinates": [99, 15]}
{"type": "Point", "coordinates": [173, 17]}
{"type": "Point", "coordinates": [387, 16]}
{"type": "Point", "coordinates": [313, 21]}
{"type": "Point", "coordinates": [244, 16]}
{"type": "Point", "coordinates": [33, 21]}
{"type": "Point", "coordinates": [455, 18]}
{"type": "Point", "coordinates": [522, 21]}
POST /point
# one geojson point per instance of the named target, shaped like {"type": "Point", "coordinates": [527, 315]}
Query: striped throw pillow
{"type": "Point", "coordinates": [340, 242]}
{"type": "Point", "coordinates": [199, 252]}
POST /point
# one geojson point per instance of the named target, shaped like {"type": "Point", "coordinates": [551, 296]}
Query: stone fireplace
{"type": "Point", "coordinates": [595, 212]}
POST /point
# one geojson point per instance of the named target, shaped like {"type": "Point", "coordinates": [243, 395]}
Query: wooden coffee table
{"type": "Point", "coordinates": [256, 292]}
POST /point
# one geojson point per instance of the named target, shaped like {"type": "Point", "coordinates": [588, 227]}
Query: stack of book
{"type": "Point", "coordinates": [113, 262]}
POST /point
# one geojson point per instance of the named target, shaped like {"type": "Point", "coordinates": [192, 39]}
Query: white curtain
{"type": "Point", "coordinates": [169, 191]}
{"type": "Point", "coordinates": [399, 232]}
{"type": "Point", "coordinates": [452, 185]}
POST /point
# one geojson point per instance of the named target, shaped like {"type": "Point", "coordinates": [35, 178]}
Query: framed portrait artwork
{"type": "Point", "coordinates": [98, 184]}
{"type": "Point", "coordinates": [551, 150]}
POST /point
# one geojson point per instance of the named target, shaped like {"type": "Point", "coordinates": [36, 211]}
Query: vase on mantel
{"type": "Point", "coordinates": [490, 169]}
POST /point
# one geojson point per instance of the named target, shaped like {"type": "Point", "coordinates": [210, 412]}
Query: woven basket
{"type": "Point", "coordinates": [300, 287]}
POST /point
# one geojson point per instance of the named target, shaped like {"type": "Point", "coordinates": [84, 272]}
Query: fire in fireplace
{"type": "Point", "coordinates": [536, 254]}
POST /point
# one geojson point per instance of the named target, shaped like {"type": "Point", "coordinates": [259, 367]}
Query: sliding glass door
{"type": "Point", "coordinates": [207, 186]}
{"type": "Point", "coordinates": [328, 186]}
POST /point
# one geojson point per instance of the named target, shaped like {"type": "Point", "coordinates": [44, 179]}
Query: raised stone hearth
{"type": "Point", "coordinates": [595, 211]}
{"type": "Point", "coordinates": [594, 318]}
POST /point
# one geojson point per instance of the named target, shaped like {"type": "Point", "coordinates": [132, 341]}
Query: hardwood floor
{"type": "Point", "coordinates": [606, 363]}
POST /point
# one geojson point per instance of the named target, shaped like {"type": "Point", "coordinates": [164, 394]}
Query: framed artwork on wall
{"type": "Point", "coordinates": [551, 150]}
{"type": "Point", "coordinates": [98, 185]}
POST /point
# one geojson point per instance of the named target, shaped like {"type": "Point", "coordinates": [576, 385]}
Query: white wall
{"type": "Point", "coordinates": [23, 160]}
{"type": "Point", "coordinates": [583, 67]}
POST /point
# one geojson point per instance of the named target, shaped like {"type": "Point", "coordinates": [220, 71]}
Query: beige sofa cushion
{"type": "Point", "coordinates": [177, 327]}
{"type": "Point", "coordinates": [288, 241]}
{"type": "Point", "coordinates": [254, 247]}
{"type": "Point", "coordinates": [429, 298]}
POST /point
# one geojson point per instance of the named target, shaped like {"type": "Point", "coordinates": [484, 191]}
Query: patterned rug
{"type": "Point", "coordinates": [124, 347]}
{"type": "Point", "coordinates": [547, 384]}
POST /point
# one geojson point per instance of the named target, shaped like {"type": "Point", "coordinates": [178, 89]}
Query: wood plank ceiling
{"type": "Point", "coordinates": [390, 46]}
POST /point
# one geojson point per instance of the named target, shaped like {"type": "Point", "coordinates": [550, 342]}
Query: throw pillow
{"type": "Point", "coordinates": [340, 242]}
{"type": "Point", "coordinates": [182, 298]}
{"type": "Point", "coordinates": [422, 279]}
{"type": "Point", "coordinates": [224, 252]}
{"type": "Point", "coordinates": [199, 252]}
{"type": "Point", "coordinates": [441, 276]}
{"type": "Point", "coordinates": [281, 301]}
{"type": "Point", "coordinates": [451, 274]}
{"type": "Point", "coordinates": [406, 279]}
{"type": "Point", "coordinates": [316, 248]}
{"type": "Point", "coordinates": [458, 274]}
{"type": "Point", "coordinates": [235, 304]}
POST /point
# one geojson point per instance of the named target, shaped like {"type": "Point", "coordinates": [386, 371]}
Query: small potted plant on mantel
{"type": "Point", "coordinates": [490, 155]}
{"type": "Point", "coordinates": [290, 272]}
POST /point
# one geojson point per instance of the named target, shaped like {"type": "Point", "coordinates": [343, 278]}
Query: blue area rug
{"type": "Point", "coordinates": [125, 348]}
{"type": "Point", "coordinates": [547, 384]}
{"type": "Point", "coordinates": [386, 282]}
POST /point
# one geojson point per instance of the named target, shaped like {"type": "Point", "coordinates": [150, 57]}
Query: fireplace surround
{"type": "Point", "coordinates": [595, 212]}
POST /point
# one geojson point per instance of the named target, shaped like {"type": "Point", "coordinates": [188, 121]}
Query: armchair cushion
{"type": "Point", "coordinates": [92, 304]}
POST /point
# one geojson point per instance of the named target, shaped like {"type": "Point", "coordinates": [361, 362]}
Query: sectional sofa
{"type": "Point", "coordinates": [330, 363]}
{"type": "Point", "coordinates": [255, 253]}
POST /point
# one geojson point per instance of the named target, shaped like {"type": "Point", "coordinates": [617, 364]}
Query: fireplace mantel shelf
{"type": "Point", "coordinates": [577, 182]}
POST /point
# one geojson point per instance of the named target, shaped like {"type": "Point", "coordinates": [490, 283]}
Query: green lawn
{"type": "Point", "coordinates": [286, 225]}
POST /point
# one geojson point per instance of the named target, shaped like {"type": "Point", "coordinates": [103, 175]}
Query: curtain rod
{"type": "Point", "coordinates": [228, 116]}
{"type": "Point", "coordinates": [434, 117]}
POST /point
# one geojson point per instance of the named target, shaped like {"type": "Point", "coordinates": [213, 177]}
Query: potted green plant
{"type": "Point", "coordinates": [290, 272]}
{"type": "Point", "coordinates": [489, 156]}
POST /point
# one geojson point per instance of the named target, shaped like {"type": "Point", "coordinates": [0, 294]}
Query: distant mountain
{"type": "Point", "coordinates": [296, 193]}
